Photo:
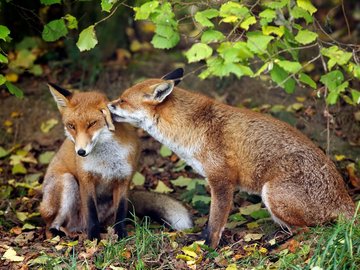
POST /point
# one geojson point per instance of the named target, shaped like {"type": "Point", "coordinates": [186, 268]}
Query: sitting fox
{"type": "Point", "coordinates": [232, 147]}
{"type": "Point", "coordinates": [87, 182]}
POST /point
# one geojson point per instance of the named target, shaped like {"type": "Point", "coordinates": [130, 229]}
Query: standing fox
{"type": "Point", "coordinates": [232, 147]}
{"type": "Point", "coordinates": [88, 186]}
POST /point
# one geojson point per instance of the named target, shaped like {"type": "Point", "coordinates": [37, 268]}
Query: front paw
{"type": "Point", "coordinates": [121, 232]}
{"type": "Point", "coordinates": [94, 233]}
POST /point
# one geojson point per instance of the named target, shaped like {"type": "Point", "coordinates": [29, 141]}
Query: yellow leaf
{"type": "Point", "coordinates": [7, 123]}
{"type": "Point", "coordinates": [230, 19]}
{"type": "Point", "coordinates": [189, 251]}
{"type": "Point", "coordinates": [10, 255]}
{"type": "Point", "coordinates": [253, 236]}
{"type": "Point", "coordinates": [12, 77]}
{"type": "Point", "coordinates": [263, 250]}
{"type": "Point", "coordinates": [15, 114]}
{"type": "Point", "coordinates": [162, 188]}
{"type": "Point", "coordinates": [22, 216]}
{"type": "Point", "coordinates": [48, 125]}
{"type": "Point", "coordinates": [300, 99]}
{"type": "Point", "coordinates": [184, 257]}
{"type": "Point", "coordinates": [231, 267]}
{"type": "Point", "coordinates": [340, 157]}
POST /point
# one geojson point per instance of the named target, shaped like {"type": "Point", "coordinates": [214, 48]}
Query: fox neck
{"type": "Point", "coordinates": [172, 125]}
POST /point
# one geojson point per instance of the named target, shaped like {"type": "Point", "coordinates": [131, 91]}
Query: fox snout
{"type": "Point", "coordinates": [81, 152]}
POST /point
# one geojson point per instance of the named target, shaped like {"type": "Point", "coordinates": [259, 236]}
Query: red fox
{"type": "Point", "coordinates": [232, 147]}
{"type": "Point", "coordinates": [88, 186]}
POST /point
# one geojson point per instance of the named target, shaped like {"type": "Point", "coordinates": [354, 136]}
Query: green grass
{"type": "Point", "coordinates": [333, 247]}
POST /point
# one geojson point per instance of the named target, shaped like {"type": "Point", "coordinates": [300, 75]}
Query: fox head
{"type": "Point", "coordinates": [85, 116]}
{"type": "Point", "coordinates": [137, 103]}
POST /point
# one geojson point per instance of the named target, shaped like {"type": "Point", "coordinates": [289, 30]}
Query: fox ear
{"type": "Point", "coordinates": [175, 75]}
{"type": "Point", "coordinates": [60, 95]}
{"type": "Point", "coordinates": [162, 90]}
{"type": "Point", "coordinates": [105, 111]}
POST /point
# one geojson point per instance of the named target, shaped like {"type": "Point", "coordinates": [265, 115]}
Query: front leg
{"type": "Point", "coordinates": [89, 209]}
{"type": "Point", "coordinates": [120, 200]}
{"type": "Point", "coordinates": [221, 203]}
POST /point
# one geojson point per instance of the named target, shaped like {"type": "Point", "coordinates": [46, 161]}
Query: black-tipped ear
{"type": "Point", "coordinates": [64, 92]}
{"type": "Point", "coordinates": [162, 90]}
{"type": "Point", "coordinates": [175, 75]}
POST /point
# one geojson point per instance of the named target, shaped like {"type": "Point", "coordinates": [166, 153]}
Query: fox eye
{"type": "Point", "coordinates": [70, 126]}
{"type": "Point", "coordinates": [91, 124]}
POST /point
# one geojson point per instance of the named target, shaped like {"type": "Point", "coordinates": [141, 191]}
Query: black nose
{"type": "Point", "coordinates": [81, 152]}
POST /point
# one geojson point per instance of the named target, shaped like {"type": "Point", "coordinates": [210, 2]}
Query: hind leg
{"type": "Point", "coordinates": [287, 203]}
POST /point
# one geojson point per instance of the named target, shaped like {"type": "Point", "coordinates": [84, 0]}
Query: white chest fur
{"type": "Point", "coordinates": [109, 159]}
{"type": "Point", "coordinates": [187, 153]}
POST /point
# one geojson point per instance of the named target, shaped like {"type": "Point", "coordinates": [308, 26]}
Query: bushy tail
{"type": "Point", "coordinates": [161, 208]}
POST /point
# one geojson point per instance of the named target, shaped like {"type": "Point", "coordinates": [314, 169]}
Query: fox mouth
{"type": "Point", "coordinates": [117, 118]}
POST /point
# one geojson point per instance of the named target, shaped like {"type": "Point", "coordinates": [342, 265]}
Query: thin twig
{"type": "Point", "coordinates": [111, 13]}
{"type": "Point", "coordinates": [346, 20]}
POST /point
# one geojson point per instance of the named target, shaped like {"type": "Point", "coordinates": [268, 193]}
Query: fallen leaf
{"type": "Point", "coordinates": [15, 114]}
{"type": "Point", "coordinates": [46, 157]}
{"type": "Point", "coordinates": [252, 236]}
{"type": "Point", "coordinates": [231, 267]}
{"type": "Point", "coordinates": [181, 181]}
{"type": "Point", "coordinates": [16, 230]}
{"type": "Point", "coordinates": [162, 188]}
{"type": "Point", "coordinates": [340, 157]}
{"type": "Point", "coordinates": [247, 210]}
{"type": "Point", "coordinates": [252, 225]}
{"type": "Point", "coordinates": [354, 180]}
{"type": "Point", "coordinates": [165, 152]}
{"type": "Point", "coordinates": [7, 123]}
{"type": "Point", "coordinates": [10, 255]}
{"type": "Point", "coordinates": [138, 179]}
{"type": "Point", "coordinates": [46, 126]}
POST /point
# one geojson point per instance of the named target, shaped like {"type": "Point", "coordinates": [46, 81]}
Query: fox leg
{"type": "Point", "coordinates": [89, 208]}
{"type": "Point", "coordinates": [288, 204]}
{"type": "Point", "coordinates": [221, 203]}
{"type": "Point", "coordinates": [120, 201]}
{"type": "Point", "coordinates": [58, 203]}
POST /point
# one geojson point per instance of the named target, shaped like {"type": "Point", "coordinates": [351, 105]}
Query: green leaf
{"type": "Point", "coordinates": [247, 210]}
{"type": "Point", "coordinates": [18, 169]}
{"type": "Point", "coordinates": [234, 52]}
{"type": "Point", "coordinates": [332, 97]}
{"type": "Point", "coordinates": [143, 12]}
{"type": "Point", "coordinates": [165, 151]}
{"type": "Point", "coordinates": [355, 96]}
{"type": "Point", "coordinates": [201, 198]}
{"type": "Point", "coordinates": [2, 79]}
{"type": "Point", "coordinates": [267, 16]}
{"type": "Point", "coordinates": [36, 70]}
{"type": "Point", "coordinates": [259, 214]}
{"type": "Point", "coordinates": [17, 92]}
{"type": "Point", "coordinates": [4, 32]}
{"type": "Point", "coordinates": [233, 12]}
{"type": "Point", "coordinates": [161, 42]}
{"type": "Point", "coordinates": [289, 66]}
{"type": "Point", "coordinates": [332, 79]}
{"type": "Point", "coordinates": [3, 152]}
{"type": "Point", "coordinates": [198, 51]}
{"type": "Point", "coordinates": [336, 55]}
{"type": "Point", "coordinates": [257, 42]}
{"type": "Point", "coordinates": [247, 22]}
{"type": "Point", "coordinates": [46, 157]}
{"type": "Point", "coordinates": [203, 17]}
{"type": "Point", "coordinates": [138, 179]}
{"type": "Point", "coordinates": [3, 59]}
{"type": "Point", "coordinates": [50, 2]}
{"type": "Point", "coordinates": [210, 36]}
{"type": "Point", "coordinates": [87, 39]}
{"type": "Point", "coordinates": [276, 4]}
{"type": "Point", "coordinates": [106, 5]}
{"type": "Point", "coordinates": [305, 37]}
{"type": "Point", "coordinates": [281, 77]}
{"type": "Point", "coordinates": [307, 5]}
{"type": "Point", "coordinates": [299, 13]}
{"type": "Point", "coordinates": [241, 70]}
{"type": "Point", "coordinates": [236, 217]}
{"type": "Point", "coordinates": [181, 181]}
{"type": "Point", "coordinates": [54, 30]}
{"type": "Point", "coordinates": [268, 30]}
{"type": "Point", "coordinates": [71, 21]}
{"type": "Point", "coordinates": [304, 78]}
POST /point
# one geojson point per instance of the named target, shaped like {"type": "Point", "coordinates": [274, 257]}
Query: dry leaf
{"type": "Point", "coordinates": [10, 255]}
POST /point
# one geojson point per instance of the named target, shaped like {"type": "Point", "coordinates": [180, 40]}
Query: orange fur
{"type": "Point", "coordinates": [233, 147]}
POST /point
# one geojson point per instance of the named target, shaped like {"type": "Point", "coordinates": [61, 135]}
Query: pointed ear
{"type": "Point", "coordinates": [175, 75]}
{"type": "Point", "coordinates": [162, 90]}
{"type": "Point", "coordinates": [105, 111]}
{"type": "Point", "coordinates": [60, 95]}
